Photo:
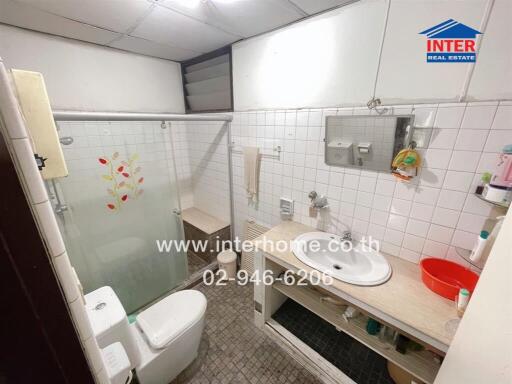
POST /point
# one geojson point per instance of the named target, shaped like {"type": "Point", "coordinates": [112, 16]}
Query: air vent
{"type": "Point", "coordinates": [207, 82]}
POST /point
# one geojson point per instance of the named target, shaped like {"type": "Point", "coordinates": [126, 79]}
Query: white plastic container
{"type": "Point", "coordinates": [476, 255]}
{"type": "Point", "coordinates": [227, 263]}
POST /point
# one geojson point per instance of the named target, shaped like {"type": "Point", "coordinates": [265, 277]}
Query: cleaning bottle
{"type": "Point", "coordinates": [476, 255]}
{"type": "Point", "coordinates": [492, 238]}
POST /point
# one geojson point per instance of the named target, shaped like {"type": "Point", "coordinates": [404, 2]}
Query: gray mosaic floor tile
{"type": "Point", "coordinates": [233, 350]}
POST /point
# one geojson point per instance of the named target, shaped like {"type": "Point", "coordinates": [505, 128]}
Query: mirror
{"type": "Point", "coordinates": [366, 142]}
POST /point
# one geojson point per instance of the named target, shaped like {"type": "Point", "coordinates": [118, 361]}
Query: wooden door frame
{"type": "Point", "coordinates": [40, 341]}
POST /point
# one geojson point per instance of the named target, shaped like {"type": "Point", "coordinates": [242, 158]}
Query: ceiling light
{"type": "Point", "coordinates": [189, 3]}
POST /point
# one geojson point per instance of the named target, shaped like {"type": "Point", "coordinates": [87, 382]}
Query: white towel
{"type": "Point", "coordinates": [251, 172]}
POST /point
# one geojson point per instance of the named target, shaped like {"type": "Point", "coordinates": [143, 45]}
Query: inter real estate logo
{"type": "Point", "coordinates": [451, 42]}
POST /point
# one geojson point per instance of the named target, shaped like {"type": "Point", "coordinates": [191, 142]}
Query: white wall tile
{"type": "Point", "coordinates": [375, 203]}
{"type": "Point", "coordinates": [417, 227]}
{"type": "Point", "coordinates": [458, 181]}
{"type": "Point", "coordinates": [446, 217]}
{"type": "Point", "coordinates": [471, 139]}
{"type": "Point", "coordinates": [66, 277]}
{"type": "Point", "coordinates": [379, 217]}
{"type": "Point", "coordinates": [376, 231]}
{"type": "Point", "coordinates": [50, 228]}
{"type": "Point", "coordinates": [497, 140]}
{"type": "Point", "coordinates": [405, 191]}
{"type": "Point", "coordinates": [406, 254]}
{"type": "Point", "coordinates": [464, 161]}
{"type": "Point", "coordinates": [28, 167]}
{"type": "Point", "coordinates": [443, 138]}
{"type": "Point", "coordinates": [449, 117]}
{"type": "Point", "coordinates": [432, 177]}
{"type": "Point", "coordinates": [422, 212]}
{"type": "Point", "coordinates": [435, 249]}
{"type": "Point", "coordinates": [367, 184]}
{"type": "Point", "coordinates": [401, 207]}
{"type": "Point", "coordinates": [478, 116]}
{"type": "Point", "coordinates": [471, 223]}
{"type": "Point", "coordinates": [437, 158]}
{"type": "Point", "coordinates": [426, 195]}
{"type": "Point", "coordinates": [452, 199]}
{"type": "Point", "coordinates": [413, 243]}
{"type": "Point", "coordinates": [464, 240]}
{"type": "Point", "coordinates": [394, 237]}
{"type": "Point", "coordinates": [381, 202]}
{"type": "Point", "coordinates": [440, 234]}
{"type": "Point", "coordinates": [385, 187]}
{"type": "Point", "coordinates": [477, 206]}
{"type": "Point", "coordinates": [503, 118]}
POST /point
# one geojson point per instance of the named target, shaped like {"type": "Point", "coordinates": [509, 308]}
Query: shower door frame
{"type": "Point", "coordinates": [61, 115]}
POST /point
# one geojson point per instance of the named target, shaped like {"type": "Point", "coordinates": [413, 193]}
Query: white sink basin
{"type": "Point", "coordinates": [359, 266]}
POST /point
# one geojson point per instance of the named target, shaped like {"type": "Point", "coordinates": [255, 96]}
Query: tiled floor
{"type": "Point", "coordinates": [195, 263]}
{"type": "Point", "coordinates": [360, 363]}
{"type": "Point", "coordinates": [233, 350]}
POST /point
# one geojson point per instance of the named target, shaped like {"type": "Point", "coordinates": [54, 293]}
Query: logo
{"type": "Point", "coordinates": [451, 42]}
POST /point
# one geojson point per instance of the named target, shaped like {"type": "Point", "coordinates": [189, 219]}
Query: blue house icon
{"type": "Point", "coordinates": [450, 29]}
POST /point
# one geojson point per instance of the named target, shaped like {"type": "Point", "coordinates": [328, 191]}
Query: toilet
{"type": "Point", "coordinates": [164, 339]}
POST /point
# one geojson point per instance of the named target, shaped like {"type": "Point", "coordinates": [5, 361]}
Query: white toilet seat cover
{"type": "Point", "coordinates": [172, 316]}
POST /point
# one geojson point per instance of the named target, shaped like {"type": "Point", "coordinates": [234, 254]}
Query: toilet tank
{"type": "Point", "coordinates": [110, 323]}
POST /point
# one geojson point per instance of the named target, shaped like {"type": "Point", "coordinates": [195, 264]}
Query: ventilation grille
{"type": "Point", "coordinates": [208, 84]}
{"type": "Point", "coordinates": [252, 231]}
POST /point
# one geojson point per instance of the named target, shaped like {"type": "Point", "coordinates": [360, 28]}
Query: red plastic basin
{"type": "Point", "coordinates": [446, 278]}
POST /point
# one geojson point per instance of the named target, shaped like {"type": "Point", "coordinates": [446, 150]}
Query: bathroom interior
{"type": "Point", "coordinates": [156, 153]}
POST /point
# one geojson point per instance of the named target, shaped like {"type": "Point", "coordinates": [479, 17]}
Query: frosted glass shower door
{"type": "Point", "coordinates": [119, 200]}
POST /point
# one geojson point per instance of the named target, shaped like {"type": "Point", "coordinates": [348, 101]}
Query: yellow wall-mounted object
{"type": "Point", "coordinates": [36, 109]}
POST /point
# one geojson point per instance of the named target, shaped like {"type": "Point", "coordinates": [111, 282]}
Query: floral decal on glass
{"type": "Point", "coordinates": [124, 178]}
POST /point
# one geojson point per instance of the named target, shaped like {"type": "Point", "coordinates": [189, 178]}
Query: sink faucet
{"type": "Point", "coordinates": [346, 236]}
{"type": "Point", "coordinates": [317, 201]}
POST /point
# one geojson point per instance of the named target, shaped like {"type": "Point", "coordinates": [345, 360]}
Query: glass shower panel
{"type": "Point", "coordinates": [119, 199]}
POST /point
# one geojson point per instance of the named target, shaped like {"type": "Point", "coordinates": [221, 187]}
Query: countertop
{"type": "Point", "coordinates": [403, 301]}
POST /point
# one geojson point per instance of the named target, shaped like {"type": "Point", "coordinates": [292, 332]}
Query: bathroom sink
{"type": "Point", "coordinates": [358, 265]}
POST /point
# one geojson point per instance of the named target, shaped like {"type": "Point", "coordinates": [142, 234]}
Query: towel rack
{"type": "Point", "coordinates": [277, 149]}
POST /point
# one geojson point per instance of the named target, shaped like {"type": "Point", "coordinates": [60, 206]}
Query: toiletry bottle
{"type": "Point", "coordinates": [462, 301]}
{"type": "Point", "coordinates": [479, 247]}
{"type": "Point", "coordinates": [492, 238]}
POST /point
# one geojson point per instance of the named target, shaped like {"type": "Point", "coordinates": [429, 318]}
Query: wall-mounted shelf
{"type": "Point", "coordinates": [277, 149]}
{"type": "Point", "coordinates": [502, 205]}
{"type": "Point", "coordinates": [465, 254]}
{"type": "Point", "coordinates": [419, 363]}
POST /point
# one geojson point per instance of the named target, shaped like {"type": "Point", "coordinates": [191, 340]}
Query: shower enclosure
{"type": "Point", "coordinates": [119, 208]}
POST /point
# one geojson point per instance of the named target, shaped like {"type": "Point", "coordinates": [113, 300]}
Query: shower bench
{"type": "Point", "coordinates": [201, 226]}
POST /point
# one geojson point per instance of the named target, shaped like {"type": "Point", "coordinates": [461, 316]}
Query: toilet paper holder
{"type": "Point", "coordinates": [364, 147]}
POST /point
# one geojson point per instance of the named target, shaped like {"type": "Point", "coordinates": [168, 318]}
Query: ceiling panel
{"type": "Point", "coordinates": [150, 48]}
{"type": "Point", "coordinates": [169, 27]}
{"type": "Point", "coordinates": [25, 16]}
{"type": "Point", "coordinates": [172, 29]}
{"type": "Point", "coordinates": [314, 6]}
{"type": "Point", "coordinates": [114, 15]}
{"type": "Point", "coordinates": [244, 17]}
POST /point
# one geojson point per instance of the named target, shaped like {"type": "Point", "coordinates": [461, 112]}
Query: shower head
{"type": "Point", "coordinates": [66, 140]}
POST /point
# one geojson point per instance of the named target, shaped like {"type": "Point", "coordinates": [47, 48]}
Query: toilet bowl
{"type": "Point", "coordinates": [162, 342]}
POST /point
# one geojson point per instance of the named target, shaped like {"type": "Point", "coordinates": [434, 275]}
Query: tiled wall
{"type": "Point", "coordinates": [426, 217]}
{"type": "Point", "coordinates": [202, 163]}
{"type": "Point", "coordinates": [17, 139]}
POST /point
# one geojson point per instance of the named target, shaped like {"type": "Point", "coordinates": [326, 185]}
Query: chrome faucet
{"type": "Point", "coordinates": [317, 201]}
{"type": "Point", "coordinates": [346, 236]}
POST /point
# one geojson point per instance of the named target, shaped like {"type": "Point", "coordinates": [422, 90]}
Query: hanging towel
{"type": "Point", "coordinates": [251, 172]}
